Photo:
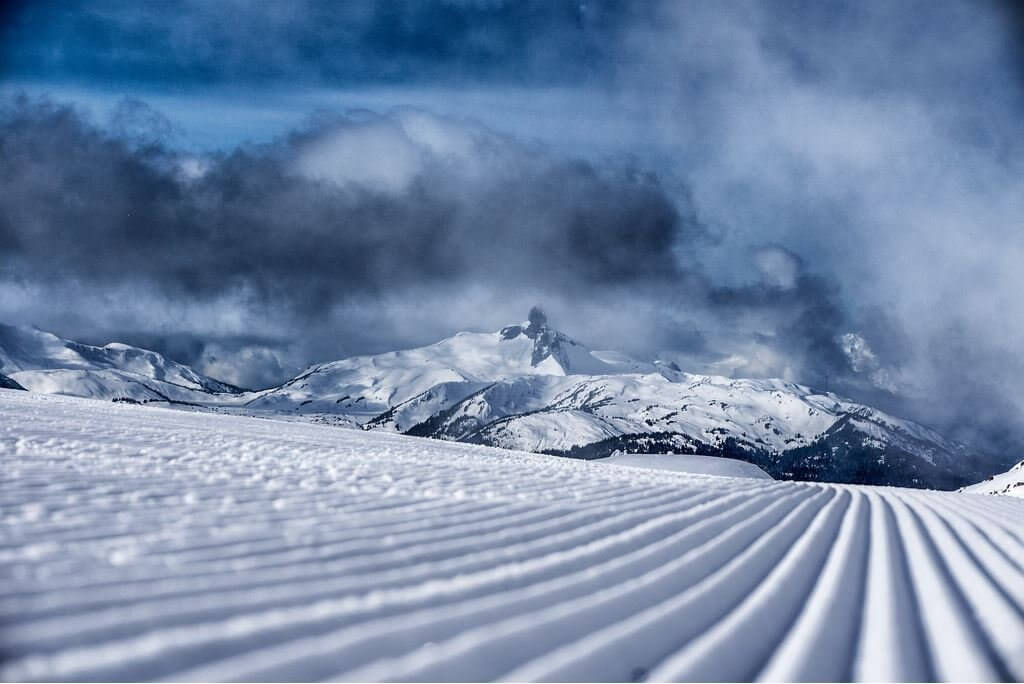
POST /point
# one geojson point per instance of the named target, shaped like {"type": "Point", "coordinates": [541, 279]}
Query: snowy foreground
{"type": "Point", "coordinates": [144, 543]}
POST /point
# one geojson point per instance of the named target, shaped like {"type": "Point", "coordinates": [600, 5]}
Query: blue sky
{"type": "Point", "coordinates": [793, 189]}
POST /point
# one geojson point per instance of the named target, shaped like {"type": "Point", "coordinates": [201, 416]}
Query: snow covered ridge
{"type": "Point", "coordinates": [1010, 483]}
{"type": "Point", "coordinates": [530, 387]}
{"type": "Point", "coordinates": [43, 362]}
{"type": "Point", "coordinates": [463, 363]}
{"type": "Point", "coordinates": [140, 543]}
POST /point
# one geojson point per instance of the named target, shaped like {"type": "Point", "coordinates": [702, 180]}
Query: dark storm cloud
{"type": "Point", "coordinates": [329, 232]}
{"type": "Point", "coordinates": [347, 212]}
{"type": "Point", "coordinates": [286, 221]}
{"type": "Point", "coordinates": [193, 41]}
{"type": "Point", "coordinates": [806, 318]}
{"type": "Point", "coordinates": [1013, 12]}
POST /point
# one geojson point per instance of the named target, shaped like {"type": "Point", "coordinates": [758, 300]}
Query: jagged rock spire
{"type": "Point", "coordinates": [546, 342]}
{"type": "Point", "coordinates": [537, 318]}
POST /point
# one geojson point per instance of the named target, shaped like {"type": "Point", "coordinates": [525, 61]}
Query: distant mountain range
{"type": "Point", "coordinates": [42, 362]}
{"type": "Point", "coordinates": [533, 388]}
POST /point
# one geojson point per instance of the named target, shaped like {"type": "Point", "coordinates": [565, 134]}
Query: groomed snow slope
{"type": "Point", "coordinates": [689, 463]}
{"type": "Point", "coordinates": [140, 543]}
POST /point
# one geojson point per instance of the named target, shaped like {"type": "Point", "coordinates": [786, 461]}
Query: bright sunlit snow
{"type": "Point", "coordinates": [143, 543]}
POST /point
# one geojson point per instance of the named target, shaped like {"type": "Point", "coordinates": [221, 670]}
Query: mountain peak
{"type": "Point", "coordinates": [547, 342]}
{"type": "Point", "coordinates": [536, 324]}
{"type": "Point", "coordinates": [537, 319]}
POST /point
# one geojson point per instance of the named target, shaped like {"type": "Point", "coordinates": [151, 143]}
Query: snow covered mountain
{"type": "Point", "coordinates": [43, 362]}
{"type": "Point", "coordinates": [457, 366]}
{"type": "Point", "coordinates": [532, 388]}
{"type": "Point", "coordinates": [789, 430]}
{"type": "Point", "coordinates": [1010, 483]}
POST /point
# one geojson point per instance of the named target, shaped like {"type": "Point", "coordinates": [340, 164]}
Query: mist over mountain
{"type": "Point", "coordinates": [774, 190]}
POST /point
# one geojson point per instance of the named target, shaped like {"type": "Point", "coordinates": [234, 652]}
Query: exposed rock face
{"type": "Point", "coordinates": [547, 342]}
{"type": "Point", "coordinates": [7, 383]}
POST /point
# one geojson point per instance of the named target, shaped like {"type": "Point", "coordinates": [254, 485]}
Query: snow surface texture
{"type": "Point", "coordinates": [686, 463]}
{"type": "Point", "coordinates": [1010, 483]}
{"type": "Point", "coordinates": [141, 543]}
